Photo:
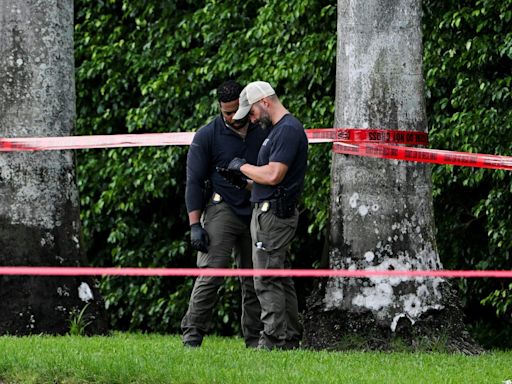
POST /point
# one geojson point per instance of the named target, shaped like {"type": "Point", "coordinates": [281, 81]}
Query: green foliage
{"type": "Point", "coordinates": [501, 299]}
{"type": "Point", "coordinates": [77, 322]}
{"type": "Point", "coordinates": [154, 67]}
{"type": "Point", "coordinates": [468, 61]}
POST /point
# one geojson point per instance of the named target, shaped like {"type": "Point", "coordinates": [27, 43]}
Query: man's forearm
{"type": "Point", "coordinates": [270, 174]}
{"type": "Point", "coordinates": [194, 217]}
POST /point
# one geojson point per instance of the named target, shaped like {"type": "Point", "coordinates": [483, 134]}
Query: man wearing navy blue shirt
{"type": "Point", "coordinates": [278, 180]}
{"type": "Point", "coordinates": [221, 224]}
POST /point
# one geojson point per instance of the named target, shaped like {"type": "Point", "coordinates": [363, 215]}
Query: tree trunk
{"type": "Point", "coordinates": [381, 210]}
{"type": "Point", "coordinates": [39, 210]}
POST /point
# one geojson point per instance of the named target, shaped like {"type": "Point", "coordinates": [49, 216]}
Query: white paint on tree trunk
{"type": "Point", "coordinates": [375, 298]}
{"type": "Point", "coordinates": [369, 256]}
{"type": "Point", "coordinates": [353, 200]}
{"type": "Point", "coordinates": [31, 322]}
{"type": "Point", "coordinates": [63, 291]}
{"type": "Point", "coordinates": [76, 241]}
{"type": "Point", "coordinates": [395, 320]}
{"type": "Point", "coordinates": [385, 296]}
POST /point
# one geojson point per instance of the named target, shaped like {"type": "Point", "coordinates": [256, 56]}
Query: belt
{"type": "Point", "coordinates": [281, 209]}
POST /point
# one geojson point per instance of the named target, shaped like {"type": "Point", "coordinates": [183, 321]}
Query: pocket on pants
{"type": "Point", "coordinates": [202, 260]}
{"type": "Point", "coordinates": [274, 233]}
{"type": "Point", "coordinates": [210, 212]}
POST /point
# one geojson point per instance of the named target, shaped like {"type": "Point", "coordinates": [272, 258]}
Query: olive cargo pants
{"type": "Point", "coordinates": [279, 309]}
{"type": "Point", "coordinates": [227, 232]}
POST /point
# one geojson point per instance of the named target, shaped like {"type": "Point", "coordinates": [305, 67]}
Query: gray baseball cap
{"type": "Point", "coordinates": [250, 95]}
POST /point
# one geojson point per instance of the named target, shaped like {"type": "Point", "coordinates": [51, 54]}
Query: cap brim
{"type": "Point", "coordinates": [242, 112]}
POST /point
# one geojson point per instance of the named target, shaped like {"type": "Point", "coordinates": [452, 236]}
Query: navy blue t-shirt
{"type": "Point", "coordinates": [215, 145]}
{"type": "Point", "coordinates": [286, 143]}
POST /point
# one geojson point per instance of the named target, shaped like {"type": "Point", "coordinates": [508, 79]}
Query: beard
{"type": "Point", "coordinates": [265, 121]}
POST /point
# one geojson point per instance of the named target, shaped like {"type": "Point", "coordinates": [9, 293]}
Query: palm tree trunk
{"type": "Point", "coordinates": [381, 210]}
{"type": "Point", "coordinates": [39, 210]}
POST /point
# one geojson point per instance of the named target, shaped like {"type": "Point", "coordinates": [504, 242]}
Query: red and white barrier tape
{"type": "Point", "coordinates": [317, 135]}
{"type": "Point", "coordinates": [219, 272]}
{"type": "Point", "coordinates": [97, 141]}
{"type": "Point", "coordinates": [368, 135]}
{"type": "Point", "coordinates": [363, 143]}
{"type": "Point", "coordinates": [437, 156]}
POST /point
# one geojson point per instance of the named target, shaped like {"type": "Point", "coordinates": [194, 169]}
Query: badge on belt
{"type": "Point", "coordinates": [216, 198]}
{"type": "Point", "coordinates": [265, 206]}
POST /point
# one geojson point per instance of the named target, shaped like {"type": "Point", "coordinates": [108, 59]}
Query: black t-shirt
{"type": "Point", "coordinates": [215, 145]}
{"type": "Point", "coordinates": [286, 143]}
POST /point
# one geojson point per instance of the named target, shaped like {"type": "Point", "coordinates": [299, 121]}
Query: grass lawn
{"type": "Point", "coordinates": [134, 358]}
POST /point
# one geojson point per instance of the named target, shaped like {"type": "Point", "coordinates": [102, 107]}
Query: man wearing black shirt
{"type": "Point", "coordinates": [222, 224]}
{"type": "Point", "coordinates": [278, 181]}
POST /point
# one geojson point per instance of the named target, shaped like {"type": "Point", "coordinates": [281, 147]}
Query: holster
{"type": "Point", "coordinates": [284, 208]}
{"type": "Point", "coordinates": [207, 192]}
{"type": "Point", "coordinates": [282, 205]}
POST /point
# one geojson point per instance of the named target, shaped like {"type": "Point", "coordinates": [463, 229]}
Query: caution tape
{"type": "Point", "coordinates": [315, 135]}
{"type": "Point", "coordinates": [437, 156]}
{"type": "Point", "coordinates": [382, 136]}
{"type": "Point", "coordinates": [219, 272]}
{"type": "Point", "coordinates": [95, 141]}
{"type": "Point", "coordinates": [362, 142]}
{"type": "Point", "coordinates": [368, 135]}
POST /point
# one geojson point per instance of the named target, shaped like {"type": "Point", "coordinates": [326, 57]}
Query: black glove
{"type": "Point", "coordinates": [236, 163]}
{"type": "Point", "coordinates": [199, 238]}
{"type": "Point", "coordinates": [232, 177]}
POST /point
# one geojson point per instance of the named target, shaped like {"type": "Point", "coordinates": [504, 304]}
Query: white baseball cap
{"type": "Point", "coordinates": [250, 95]}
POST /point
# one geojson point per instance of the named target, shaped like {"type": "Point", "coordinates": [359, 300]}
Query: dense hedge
{"type": "Point", "coordinates": [154, 67]}
{"type": "Point", "coordinates": [468, 71]}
